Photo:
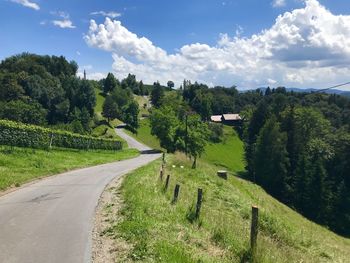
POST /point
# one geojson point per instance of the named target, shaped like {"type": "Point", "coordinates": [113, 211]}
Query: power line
{"type": "Point", "coordinates": [336, 86]}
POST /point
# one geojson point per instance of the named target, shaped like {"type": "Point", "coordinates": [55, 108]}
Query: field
{"type": "Point", "coordinates": [21, 165]}
{"type": "Point", "coordinates": [158, 231]}
{"type": "Point", "coordinates": [228, 154]}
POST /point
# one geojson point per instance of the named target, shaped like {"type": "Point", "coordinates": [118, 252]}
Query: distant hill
{"type": "Point", "coordinates": [310, 90]}
{"type": "Point", "coordinates": [330, 91]}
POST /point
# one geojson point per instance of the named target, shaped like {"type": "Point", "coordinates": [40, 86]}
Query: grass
{"type": "Point", "coordinates": [144, 135]}
{"type": "Point", "coordinates": [21, 165]}
{"type": "Point", "coordinates": [99, 101]}
{"type": "Point", "coordinates": [228, 154]}
{"type": "Point", "coordinates": [159, 231]}
{"type": "Point", "coordinates": [141, 100]}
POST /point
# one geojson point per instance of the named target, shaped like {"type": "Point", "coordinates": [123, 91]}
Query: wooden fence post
{"type": "Point", "coordinates": [167, 182]}
{"type": "Point", "coordinates": [199, 202]}
{"type": "Point", "coordinates": [176, 193]}
{"type": "Point", "coordinates": [163, 158]}
{"type": "Point", "coordinates": [51, 139]}
{"type": "Point", "coordinates": [254, 230]}
{"type": "Point", "coordinates": [161, 175]}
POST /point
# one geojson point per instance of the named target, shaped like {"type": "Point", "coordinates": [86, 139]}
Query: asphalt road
{"type": "Point", "coordinates": [52, 220]}
{"type": "Point", "coordinates": [132, 143]}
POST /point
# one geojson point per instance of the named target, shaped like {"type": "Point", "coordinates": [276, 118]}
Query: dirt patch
{"type": "Point", "coordinates": [106, 247]}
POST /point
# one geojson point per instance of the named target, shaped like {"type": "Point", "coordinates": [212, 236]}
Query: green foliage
{"type": "Point", "coordinates": [271, 163]}
{"type": "Point", "coordinates": [157, 94]}
{"type": "Point", "coordinates": [131, 115]}
{"type": "Point", "coordinates": [165, 125]}
{"type": "Point", "coordinates": [19, 111]}
{"type": "Point", "coordinates": [196, 137]}
{"type": "Point", "coordinates": [216, 132]}
{"type": "Point", "coordinates": [110, 83]}
{"type": "Point", "coordinates": [16, 134]}
{"type": "Point", "coordinates": [110, 109]}
{"type": "Point", "coordinates": [49, 81]}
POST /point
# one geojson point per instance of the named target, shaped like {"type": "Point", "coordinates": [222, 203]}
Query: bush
{"type": "Point", "coordinates": [216, 132]}
{"type": "Point", "coordinates": [18, 134]}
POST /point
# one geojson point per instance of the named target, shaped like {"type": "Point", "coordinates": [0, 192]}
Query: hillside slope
{"type": "Point", "coordinates": [158, 231]}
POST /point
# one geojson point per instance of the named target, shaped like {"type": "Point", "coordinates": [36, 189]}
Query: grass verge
{"type": "Point", "coordinates": [21, 165]}
{"type": "Point", "coordinates": [159, 231]}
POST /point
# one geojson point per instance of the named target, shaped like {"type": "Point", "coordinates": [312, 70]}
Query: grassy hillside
{"type": "Point", "coordinates": [99, 101]}
{"type": "Point", "coordinates": [141, 100]}
{"type": "Point", "coordinates": [144, 135]}
{"type": "Point", "coordinates": [158, 231]}
{"type": "Point", "coordinates": [21, 165]}
{"type": "Point", "coordinates": [228, 154]}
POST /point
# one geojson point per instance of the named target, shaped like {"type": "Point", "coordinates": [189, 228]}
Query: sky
{"type": "Point", "coordinates": [247, 43]}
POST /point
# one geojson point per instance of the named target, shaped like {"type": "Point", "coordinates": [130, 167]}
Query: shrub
{"type": "Point", "coordinates": [18, 134]}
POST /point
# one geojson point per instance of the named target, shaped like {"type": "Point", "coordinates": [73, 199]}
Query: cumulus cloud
{"type": "Point", "coordinates": [111, 14]}
{"type": "Point", "coordinates": [64, 22]}
{"type": "Point", "coordinates": [278, 3]}
{"type": "Point", "coordinates": [307, 47]}
{"type": "Point", "coordinates": [27, 3]}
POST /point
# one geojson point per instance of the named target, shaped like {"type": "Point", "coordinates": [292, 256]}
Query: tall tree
{"type": "Point", "coordinates": [110, 83]}
{"type": "Point", "coordinates": [271, 161]}
{"type": "Point", "coordinates": [109, 109]}
{"type": "Point", "coordinates": [157, 94]}
{"type": "Point", "coordinates": [131, 113]}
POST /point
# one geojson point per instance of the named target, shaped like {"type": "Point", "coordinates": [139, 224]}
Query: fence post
{"type": "Point", "coordinates": [167, 182]}
{"type": "Point", "coordinates": [161, 174]}
{"type": "Point", "coordinates": [199, 202]}
{"type": "Point", "coordinates": [176, 193]}
{"type": "Point", "coordinates": [163, 158]}
{"type": "Point", "coordinates": [254, 230]}
{"type": "Point", "coordinates": [50, 146]}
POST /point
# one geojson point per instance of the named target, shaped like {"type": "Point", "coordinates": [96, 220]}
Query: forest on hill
{"type": "Point", "coordinates": [45, 91]}
{"type": "Point", "coordinates": [297, 145]}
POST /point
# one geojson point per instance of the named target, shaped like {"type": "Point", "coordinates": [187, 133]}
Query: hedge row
{"type": "Point", "coordinates": [18, 134]}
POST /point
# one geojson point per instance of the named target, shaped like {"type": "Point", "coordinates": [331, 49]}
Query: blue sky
{"type": "Point", "coordinates": [232, 42]}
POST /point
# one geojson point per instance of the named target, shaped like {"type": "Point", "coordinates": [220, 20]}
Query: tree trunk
{"type": "Point", "coordinates": [194, 165]}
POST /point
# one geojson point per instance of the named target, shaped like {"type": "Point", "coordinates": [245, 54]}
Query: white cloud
{"type": "Point", "coordinates": [64, 22]}
{"type": "Point", "coordinates": [111, 14]}
{"type": "Point", "coordinates": [278, 3]}
{"type": "Point", "coordinates": [27, 3]}
{"type": "Point", "coordinates": [307, 47]}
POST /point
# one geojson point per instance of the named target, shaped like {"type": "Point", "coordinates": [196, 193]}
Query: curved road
{"type": "Point", "coordinates": [51, 220]}
{"type": "Point", "coordinates": [132, 143]}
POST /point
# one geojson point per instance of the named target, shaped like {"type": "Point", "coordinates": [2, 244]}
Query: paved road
{"type": "Point", "coordinates": [51, 220]}
{"type": "Point", "coordinates": [132, 143]}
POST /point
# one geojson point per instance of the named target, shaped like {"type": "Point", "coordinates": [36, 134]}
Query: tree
{"type": "Point", "coordinates": [109, 109]}
{"type": "Point", "coordinates": [110, 83]}
{"type": "Point", "coordinates": [165, 125]}
{"type": "Point", "coordinates": [270, 162]}
{"type": "Point", "coordinates": [197, 137]}
{"type": "Point", "coordinates": [157, 94]}
{"type": "Point", "coordinates": [170, 84]}
{"type": "Point", "coordinates": [131, 113]}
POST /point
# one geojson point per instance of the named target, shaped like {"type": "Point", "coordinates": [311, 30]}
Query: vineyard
{"type": "Point", "coordinates": [23, 135]}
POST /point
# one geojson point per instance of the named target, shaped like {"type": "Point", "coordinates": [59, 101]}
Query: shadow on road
{"type": "Point", "coordinates": [152, 151]}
